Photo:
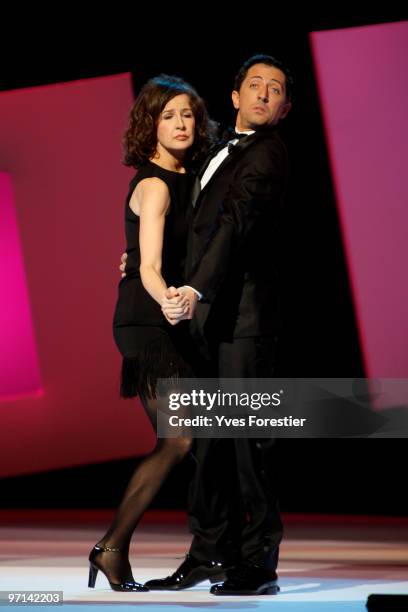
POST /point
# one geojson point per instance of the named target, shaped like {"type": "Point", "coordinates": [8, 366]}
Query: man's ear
{"type": "Point", "coordinates": [235, 99]}
{"type": "Point", "coordinates": [285, 109]}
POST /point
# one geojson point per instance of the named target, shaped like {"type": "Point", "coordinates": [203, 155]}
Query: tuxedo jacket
{"type": "Point", "coordinates": [232, 246]}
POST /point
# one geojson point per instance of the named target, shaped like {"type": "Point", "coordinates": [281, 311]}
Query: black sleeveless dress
{"type": "Point", "coordinates": [150, 346]}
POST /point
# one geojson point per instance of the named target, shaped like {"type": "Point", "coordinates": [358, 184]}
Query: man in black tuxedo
{"type": "Point", "coordinates": [232, 285]}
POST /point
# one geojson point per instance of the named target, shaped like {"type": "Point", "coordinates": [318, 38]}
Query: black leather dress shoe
{"type": "Point", "coordinates": [248, 579]}
{"type": "Point", "coordinates": [190, 572]}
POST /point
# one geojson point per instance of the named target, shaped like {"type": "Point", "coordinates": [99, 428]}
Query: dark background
{"type": "Point", "coordinates": [319, 336]}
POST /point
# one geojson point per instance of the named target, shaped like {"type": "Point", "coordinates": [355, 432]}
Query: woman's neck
{"type": "Point", "coordinates": [166, 160]}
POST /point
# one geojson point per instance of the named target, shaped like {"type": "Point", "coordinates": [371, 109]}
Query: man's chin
{"type": "Point", "coordinates": [258, 123]}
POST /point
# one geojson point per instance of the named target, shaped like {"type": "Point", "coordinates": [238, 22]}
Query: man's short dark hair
{"type": "Point", "coordinates": [269, 61]}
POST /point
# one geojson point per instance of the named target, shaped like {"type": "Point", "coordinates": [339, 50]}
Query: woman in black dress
{"type": "Point", "coordinates": [169, 129]}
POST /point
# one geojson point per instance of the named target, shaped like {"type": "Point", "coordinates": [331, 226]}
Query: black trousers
{"type": "Point", "coordinates": [233, 505]}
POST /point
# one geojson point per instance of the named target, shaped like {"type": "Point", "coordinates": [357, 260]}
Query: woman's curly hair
{"type": "Point", "coordinates": [140, 140]}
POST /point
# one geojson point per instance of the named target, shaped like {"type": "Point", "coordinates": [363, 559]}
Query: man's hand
{"type": "Point", "coordinates": [122, 266]}
{"type": "Point", "coordinates": [179, 304]}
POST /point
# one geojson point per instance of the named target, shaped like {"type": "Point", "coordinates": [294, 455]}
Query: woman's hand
{"type": "Point", "coordinates": [179, 304]}
{"type": "Point", "coordinates": [175, 305]}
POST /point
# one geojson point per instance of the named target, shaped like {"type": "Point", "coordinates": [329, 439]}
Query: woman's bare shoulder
{"type": "Point", "coordinates": [152, 191]}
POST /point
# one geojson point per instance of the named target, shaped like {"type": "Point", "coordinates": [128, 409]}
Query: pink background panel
{"type": "Point", "coordinates": [61, 147]}
{"type": "Point", "coordinates": [362, 76]}
{"type": "Point", "coordinates": [19, 367]}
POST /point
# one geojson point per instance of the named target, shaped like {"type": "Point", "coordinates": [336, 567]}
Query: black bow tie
{"type": "Point", "coordinates": [235, 136]}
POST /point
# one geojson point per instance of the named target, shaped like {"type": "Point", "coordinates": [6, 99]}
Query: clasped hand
{"type": "Point", "coordinates": [178, 304]}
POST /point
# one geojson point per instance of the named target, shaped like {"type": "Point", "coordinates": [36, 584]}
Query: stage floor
{"type": "Point", "coordinates": [324, 566]}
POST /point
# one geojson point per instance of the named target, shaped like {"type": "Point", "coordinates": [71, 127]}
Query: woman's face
{"type": "Point", "coordinates": [175, 129]}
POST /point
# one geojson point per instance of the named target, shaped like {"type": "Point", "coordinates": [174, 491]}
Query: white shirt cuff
{"type": "Point", "coordinates": [200, 295]}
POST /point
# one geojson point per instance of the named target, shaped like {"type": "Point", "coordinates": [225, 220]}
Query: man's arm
{"type": "Point", "coordinates": [122, 266]}
{"type": "Point", "coordinates": [260, 186]}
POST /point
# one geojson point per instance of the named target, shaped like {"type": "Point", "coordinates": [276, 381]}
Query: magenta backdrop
{"type": "Point", "coordinates": [19, 367]}
{"type": "Point", "coordinates": [60, 152]}
{"type": "Point", "coordinates": [363, 83]}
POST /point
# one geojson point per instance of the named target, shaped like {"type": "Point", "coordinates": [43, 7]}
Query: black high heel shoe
{"type": "Point", "coordinates": [126, 585]}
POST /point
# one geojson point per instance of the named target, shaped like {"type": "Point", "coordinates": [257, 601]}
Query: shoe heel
{"type": "Point", "coordinates": [218, 578]}
{"type": "Point", "coordinates": [93, 572]}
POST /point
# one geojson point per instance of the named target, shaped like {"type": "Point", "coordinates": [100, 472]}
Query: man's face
{"type": "Point", "coordinates": [261, 100]}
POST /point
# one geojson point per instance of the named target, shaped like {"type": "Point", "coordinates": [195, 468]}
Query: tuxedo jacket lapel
{"type": "Point", "coordinates": [241, 145]}
{"type": "Point", "coordinates": [197, 193]}
{"type": "Point", "coordinates": [197, 184]}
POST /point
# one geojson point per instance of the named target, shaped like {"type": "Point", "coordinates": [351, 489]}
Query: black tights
{"type": "Point", "coordinates": [142, 488]}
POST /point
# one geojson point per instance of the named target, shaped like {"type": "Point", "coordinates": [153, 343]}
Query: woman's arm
{"type": "Point", "coordinates": [151, 201]}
